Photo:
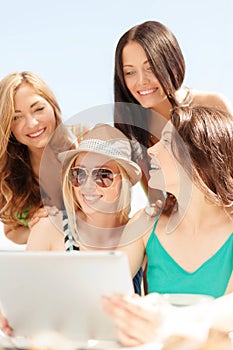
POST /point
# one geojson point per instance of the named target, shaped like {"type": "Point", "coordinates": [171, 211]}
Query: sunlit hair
{"type": "Point", "coordinates": [73, 206]}
{"type": "Point", "coordinates": [167, 63]}
{"type": "Point", "coordinates": [207, 135]}
{"type": "Point", "coordinates": [19, 190]}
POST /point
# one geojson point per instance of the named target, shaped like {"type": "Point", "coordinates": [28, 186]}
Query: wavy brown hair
{"type": "Point", "coordinates": [19, 190]}
{"type": "Point", "coordinates": [207, 135]}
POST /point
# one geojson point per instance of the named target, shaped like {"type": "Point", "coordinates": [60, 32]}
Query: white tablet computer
{"type": "Point", "coordinates": [60, 291]}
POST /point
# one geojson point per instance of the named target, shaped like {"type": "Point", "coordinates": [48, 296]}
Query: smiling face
{"type": "Point", "coordinates": [139, 77]}
{"type": "Point", "coordinates": [91, 196]}
{"type": "Point", "coordinates": [166, 172]}
{"type": "Point", "coordinates": [33, 122]}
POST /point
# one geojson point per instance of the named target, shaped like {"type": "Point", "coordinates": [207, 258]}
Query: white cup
{"type": "Point", "coordinates": [186, 315]}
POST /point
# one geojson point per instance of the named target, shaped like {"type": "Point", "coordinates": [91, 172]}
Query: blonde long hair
{"type": "Point", "coordinates": [18, 187]}
{"type": "Point", "coordinates": [73, 206]}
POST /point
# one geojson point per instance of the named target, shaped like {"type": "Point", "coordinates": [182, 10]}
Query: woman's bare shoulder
{"type": "Point", "coordinates": [47, 234]}
{"type": "Point", "coordinates": [143, 214]}
{"type": "Point", "coordinates": [211, 99]}
{"type": "Point", "coordinates": [53, 222]}
{"type": "Point", "coordinates": [140, 224]}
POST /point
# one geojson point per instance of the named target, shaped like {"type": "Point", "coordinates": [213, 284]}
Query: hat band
{"type": "Point", "coordinates": [115, 148]}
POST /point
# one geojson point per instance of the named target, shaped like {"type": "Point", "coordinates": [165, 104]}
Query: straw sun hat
{"type": "Point", "coordinates": [108, 141]}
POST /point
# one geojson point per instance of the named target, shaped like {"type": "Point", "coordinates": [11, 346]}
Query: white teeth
{"type": "Point", "coordinates": [146, 92]}
{"type": "Point", "coordinates": [35, 134]}
{"type": "Point", "coordinates": [90, 198]}
{"type": "Point", "coordinates": [155, 167]}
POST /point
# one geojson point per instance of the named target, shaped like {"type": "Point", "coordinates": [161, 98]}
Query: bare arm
{"type": "Point", "coordinates": [47, 234]}
{"type": "Point", "coordinates": [18, 235]}
{"type": "Point", "coordinates": [134, 239]}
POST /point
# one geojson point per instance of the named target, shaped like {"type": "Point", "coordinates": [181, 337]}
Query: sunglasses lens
{"type": "Point", "coordinates": [103, 177]}
{"type": "Point", "coordinates": [77, 176]}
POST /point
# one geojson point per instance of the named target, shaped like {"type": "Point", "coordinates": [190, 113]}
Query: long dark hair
{"type": "Point", "coordinates": [167, 62]}
{"type": "Point", "coordinates": [207, 135]}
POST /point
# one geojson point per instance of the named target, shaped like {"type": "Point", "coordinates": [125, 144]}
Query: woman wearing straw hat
{"type": "Point", "coordinates": [97, 181]}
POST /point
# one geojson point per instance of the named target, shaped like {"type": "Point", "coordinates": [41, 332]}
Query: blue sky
{"type": "Point", "coordinates": [71, 43]}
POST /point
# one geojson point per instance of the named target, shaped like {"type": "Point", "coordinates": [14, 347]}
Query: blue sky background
{"type": "Point", "coordinates": [71, 43]}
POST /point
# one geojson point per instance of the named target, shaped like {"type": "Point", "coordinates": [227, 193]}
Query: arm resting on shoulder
{"type": "Point", "coordinates": [19, 234]}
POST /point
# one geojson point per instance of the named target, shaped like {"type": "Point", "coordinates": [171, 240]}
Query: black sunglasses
{"type": "Point", "coordinates": [101, 176]}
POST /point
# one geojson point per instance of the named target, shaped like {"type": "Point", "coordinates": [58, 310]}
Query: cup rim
{"type": "Point", "coordinates": [186, 299]}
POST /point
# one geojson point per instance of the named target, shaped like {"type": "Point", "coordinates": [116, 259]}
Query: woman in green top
{"type": "Point", "coordinates": [190, 251]}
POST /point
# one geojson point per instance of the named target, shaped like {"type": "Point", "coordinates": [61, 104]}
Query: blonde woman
{"type": "Point", "coordinates": [29, 115]}
{"type": "Point", "coordinates": [97, 181]}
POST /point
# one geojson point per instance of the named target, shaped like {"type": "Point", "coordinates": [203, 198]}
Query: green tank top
{"type": "Point", "coordinates": [164, 275]}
